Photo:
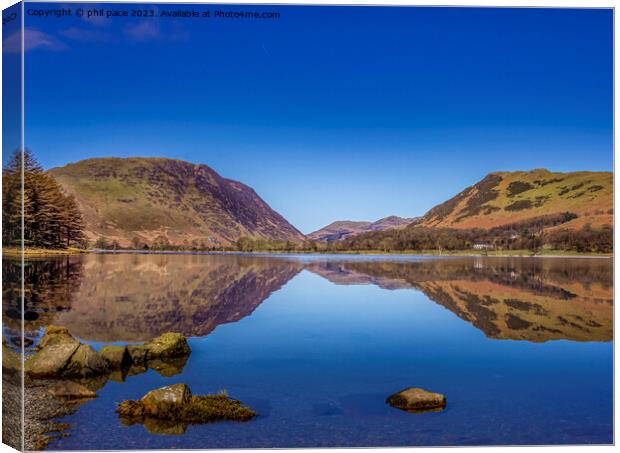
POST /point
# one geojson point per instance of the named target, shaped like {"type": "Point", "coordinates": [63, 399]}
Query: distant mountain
{"type": "Point", "coordinates": [346, 228]}
{"type": "Point", "coordinates": [149, 197]}
{"type": "Point", "coordinates": [508, 197]}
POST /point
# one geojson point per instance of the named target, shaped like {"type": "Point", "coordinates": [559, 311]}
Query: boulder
{"type": "Point", "coordinates": [85, 362]}
{"type": "Point", "coordinates": [51, 360]}
{"type": "Point", "coordinates": [55, 335]}
{"type": "Point", "coordinates": [176, 403]}
{"type": "Point", "coordinates": [177, 394]}
{"type": "Point", "coordinates": [137, 353]}
{"type": "Point", "coordinates": [415, 399]}
{"type": "Point", "coordinates": [71, 390]}
{"type": "Point", "coordinates": [117, 356]}
{"type": "Point", "coordinates": [159, 403]}
{"type": "Point", "coordinates": [166, 346]}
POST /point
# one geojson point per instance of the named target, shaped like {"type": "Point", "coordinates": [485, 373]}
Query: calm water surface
{"type": "Point", "coordinates": [521, 347]}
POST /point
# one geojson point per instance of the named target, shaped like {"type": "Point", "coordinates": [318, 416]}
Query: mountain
{"type": "Point", "coordinates": [342, 229]}
{"type": "Point", "coordinates": [509, 197]}
{"type": "Point", "coordinates": [149, 197]}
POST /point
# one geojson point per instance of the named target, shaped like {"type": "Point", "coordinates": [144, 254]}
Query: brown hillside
{"type": "Point", "coordinates": [148, 197]}
{"type": "Point", "coordinates": [509, 197]}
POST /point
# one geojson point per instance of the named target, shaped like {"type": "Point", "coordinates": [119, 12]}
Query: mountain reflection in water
{"type": "Point", "coordinates": [131, 298]}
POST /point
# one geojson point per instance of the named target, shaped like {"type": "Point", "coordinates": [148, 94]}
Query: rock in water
{"type": "Point", "coordinates": [56, 335]}
{"type": "Point", "coordinates": [415, 399]}
{"type": "Point", "coordinates": [86, 362]}
{"type": "Point", "coordinates": [166, 346]}
{"type": "Point", "coordinates": [61, 355]}
{"type": "Point", "coordinates": [117, 356]}
{"type": "Point", "coordinates": [137, 353]}
{"type": "Point", "coordinates": [158, 403]}
{"type": "Point", "coordinates": [177, 405]}
{"type": "Point", "coordinates": [177, 394]}
{"type": "Point", "coordinates": [51, 360]}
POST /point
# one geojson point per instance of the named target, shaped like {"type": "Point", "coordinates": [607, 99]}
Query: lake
{"type": "Point", "coordinates": [521, 347]}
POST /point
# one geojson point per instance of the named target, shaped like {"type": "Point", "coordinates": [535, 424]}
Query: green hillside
{"type": "Point", "coordinates": [530, 210]}
{"type": "Point", "coordinates": [146, 199]}
{"type": "Point", "coordinates": [508, 197]}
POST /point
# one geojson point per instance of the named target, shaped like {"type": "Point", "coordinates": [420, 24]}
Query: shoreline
{"type": "Point", "coordinates": [43, 253]}
{"type": "Point", "coordinates": [12, 252]}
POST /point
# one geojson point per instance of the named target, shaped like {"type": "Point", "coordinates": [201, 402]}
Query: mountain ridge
{"type": "Point", "coordinates": [342, 229]}
{"type": "Point", "coordinates": [148, 198]}
{"type": "Point", "coordinates": [502, 198]}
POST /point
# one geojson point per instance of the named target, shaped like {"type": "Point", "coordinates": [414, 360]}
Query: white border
{"type": "Point", "coordinates": [474, 3]}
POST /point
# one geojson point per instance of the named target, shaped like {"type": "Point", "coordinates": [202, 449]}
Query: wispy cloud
{"type": "Point", "coordinates": [147, 30]}
{"type": "Point", "coordinates": [151, 30]}
{"type": "Point", "coordinates": [97, 21]}
{"type": "Point", "coordinates": [33, 39]}
{"type": "Point", "coordinates": [84, 35]}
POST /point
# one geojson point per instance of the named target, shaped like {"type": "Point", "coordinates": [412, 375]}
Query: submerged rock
{"type": "Point", "coordinates": [177, 405]}
{"type": "Point", "coordinates": [166, 346]}
{"type": "Point", "coordinates": [415, 399]}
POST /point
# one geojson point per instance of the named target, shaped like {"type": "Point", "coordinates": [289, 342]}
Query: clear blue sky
{"type": "Point", "coordinates": [329, 112]}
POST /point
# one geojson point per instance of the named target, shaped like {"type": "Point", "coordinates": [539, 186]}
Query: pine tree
{"type": "Point", "coordinates": [51, 219]}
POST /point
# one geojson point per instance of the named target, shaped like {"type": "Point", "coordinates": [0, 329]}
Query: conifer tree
{"type": "Point", "coordinates": [51, 219]}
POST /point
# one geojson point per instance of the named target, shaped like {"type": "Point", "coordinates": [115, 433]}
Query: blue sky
{"type": "Point", "coordinates": [329, 112]}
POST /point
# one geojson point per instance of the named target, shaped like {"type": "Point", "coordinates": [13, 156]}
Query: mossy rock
{"type": "Point", "coordinates": [176, 395]}
{"type": "Point", "coordinates": [137, 352]}
{"type": "Point", "coordinates": [117, 356]}
{"type": "Point", "coordinates": [86, 362]}
{"type": "Point", "coordinates": [55, 335]}
{"type": "Point", "coordinates": [175, 403]}
{"type": "Point", "coordinates": [167, 345]}
{"type": "Point", "coordinates": [212, 408]}
{"type": "Point", "coordinates": [51, 360]}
